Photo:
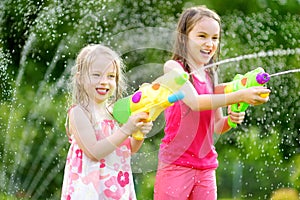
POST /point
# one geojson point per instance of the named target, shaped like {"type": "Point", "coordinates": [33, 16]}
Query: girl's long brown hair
{"type": "Point", "coordinates": [186, 23]}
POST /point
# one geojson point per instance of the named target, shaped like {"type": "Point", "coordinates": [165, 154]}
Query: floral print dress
{"type": "Point", "coordinates": [108, 179]}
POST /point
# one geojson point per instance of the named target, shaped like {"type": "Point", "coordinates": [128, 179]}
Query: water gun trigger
{"type": "Point", "coordinates": [148, 119]}
{"type": "Point", "coordinates": [138, 135]}
{"type": "Point", "coordinates": [265, 95]}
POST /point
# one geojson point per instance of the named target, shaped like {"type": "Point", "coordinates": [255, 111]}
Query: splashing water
{"type": "Point", "coordinates": [262, 54]}
{"type": "Point", "coordinates": [285, 72]}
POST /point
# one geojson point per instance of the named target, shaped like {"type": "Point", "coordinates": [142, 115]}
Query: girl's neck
{"type": "Point", "coordinates": [99, 110]}
{"type": "Point", "coordinates": [198, 70]}
{"type": "Point", "coordinates": [97, 106]}
{"type": "Point", "coordinates": [195, 66]}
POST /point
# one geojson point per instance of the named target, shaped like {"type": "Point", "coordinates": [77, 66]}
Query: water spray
{"type": "Point", "coordinates": [262, 54]}
{"type": "Point", "coordinates": [285, 72]}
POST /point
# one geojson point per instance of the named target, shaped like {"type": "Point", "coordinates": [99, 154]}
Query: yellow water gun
{"type": "Point", "coordinates": [152, 98]}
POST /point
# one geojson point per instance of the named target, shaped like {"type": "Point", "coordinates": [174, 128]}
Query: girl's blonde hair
{"type": "Point", "coordinates": [186, 23]}
{"type": "Point", "coordinates": [85, 58]}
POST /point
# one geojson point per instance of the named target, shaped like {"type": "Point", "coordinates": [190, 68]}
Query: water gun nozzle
{"type": "Point", "coordinates": [262, 78]}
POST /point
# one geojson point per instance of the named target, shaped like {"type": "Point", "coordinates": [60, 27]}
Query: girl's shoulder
{"type": "Point", "coordinates": [173, 64]}
{"type": "Point", "coordinates": [67, 122]}
{"type": "Point", "coordinates": [71, 107]}
{"type": "Point", "coordinates": [78, 114]}
{"type": "Point", "coordinates": [76, 109]}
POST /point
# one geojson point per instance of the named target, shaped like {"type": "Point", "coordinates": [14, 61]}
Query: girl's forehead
{"type": "Point", "coordinates": [103, 64]}
{"type": "Point", "coordinates": [207, 24]}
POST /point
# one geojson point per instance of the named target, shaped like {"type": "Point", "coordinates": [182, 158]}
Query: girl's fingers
{"type": "Point", "coordinates": [237, 117]}
{"type": "Point", "coordinates": [236, 120]}
{"type": "Point", "coordinates": [145, 127]}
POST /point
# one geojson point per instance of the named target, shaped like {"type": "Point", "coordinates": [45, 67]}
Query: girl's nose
{"type": "Point", "coordinates": [100, 79]}
{"type": "Point", "coordinates": [103, 80]}
{"type": "Point", "coordinates": [209, 43]}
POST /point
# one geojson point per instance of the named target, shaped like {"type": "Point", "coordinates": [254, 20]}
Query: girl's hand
{"type": "Point", "coordinates": [135, 123]}
{"type": "Point", "coordinates": [145, 127]}
{"type": "Point", "coordinates": [254, 95]}
{"type": "Point", "coordinates": [235, 117]}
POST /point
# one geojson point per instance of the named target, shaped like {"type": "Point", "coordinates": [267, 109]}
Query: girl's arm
{"type": "Point", "coordinates": [213, 101]}
{"type": "Point", "coordinates": [135, 145]}
{"type": "Point", "coordinates": [221, 122]}
{"type": "Point", "coordinates": [84, 134]}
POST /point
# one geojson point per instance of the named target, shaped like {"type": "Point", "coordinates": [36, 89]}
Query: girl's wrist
{"type": "Point", "coordinates": [124, 132]}
{"type": "Point", "coordinates": [239, 96]}
{"type": "Point", "coordinates": [226, 126]}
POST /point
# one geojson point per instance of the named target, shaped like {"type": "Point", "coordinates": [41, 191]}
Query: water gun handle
{"type": "Point", "coordinates": [231, 124]}
{"type": "Point", "coordinates": [237, 107]}
{"type": "Point", "coordinates": [241, 107]}
{"type": "Point", "coordinates": [138, 135]}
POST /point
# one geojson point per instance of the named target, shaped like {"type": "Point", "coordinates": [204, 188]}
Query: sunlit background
{"type": "Point", "coordinates": [40, 40]}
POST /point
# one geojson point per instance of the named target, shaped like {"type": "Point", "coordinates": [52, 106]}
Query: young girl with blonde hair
{"type": "Point", "coordinates": [98, 161]}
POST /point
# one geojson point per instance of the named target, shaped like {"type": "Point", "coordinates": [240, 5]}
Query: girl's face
{"type": "Point", "coordinates": [101, 81]}
{"type": "Point", "coordinates": [203, 41]}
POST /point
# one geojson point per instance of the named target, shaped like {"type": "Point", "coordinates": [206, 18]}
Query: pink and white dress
{"type": "Point", "coordinates": [107, 179]}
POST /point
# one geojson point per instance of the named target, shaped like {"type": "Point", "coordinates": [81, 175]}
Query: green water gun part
{"type": "Point", "coordinates": [256, 77]}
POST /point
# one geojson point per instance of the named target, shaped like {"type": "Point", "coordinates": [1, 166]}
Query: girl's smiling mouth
{"type": "Point", "coordinates": [102, 91]}
{"type": "Point", "coordinates": [205, 51]}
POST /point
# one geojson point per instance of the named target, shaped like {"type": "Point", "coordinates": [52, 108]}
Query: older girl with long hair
{"type": "Point", "coordinates": [187, 156]}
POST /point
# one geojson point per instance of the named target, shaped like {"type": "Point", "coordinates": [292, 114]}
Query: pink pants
{"type": "Point", "coordinates": [183, 183]}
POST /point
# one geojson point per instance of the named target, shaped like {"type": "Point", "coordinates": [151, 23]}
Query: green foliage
{"type": "Point", "coordinates": [254, 166]}
{"type": "Point", "coordinates": [296, 174]}
{"type": "Point", "coordinates": [145, 185]}
{"type": "Point", "coordinates": [10, 197]}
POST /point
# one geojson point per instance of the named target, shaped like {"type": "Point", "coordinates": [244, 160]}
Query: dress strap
{"type": "Point", "coordinates": [181, 63]}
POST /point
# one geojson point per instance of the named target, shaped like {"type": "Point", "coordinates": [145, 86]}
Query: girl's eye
{"type": "Point", "coordinates": [96, 75]}
{"type": "Point", "coordinates": [201, 36]}
{"type": "Point", "coordinates": [112, 76]}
